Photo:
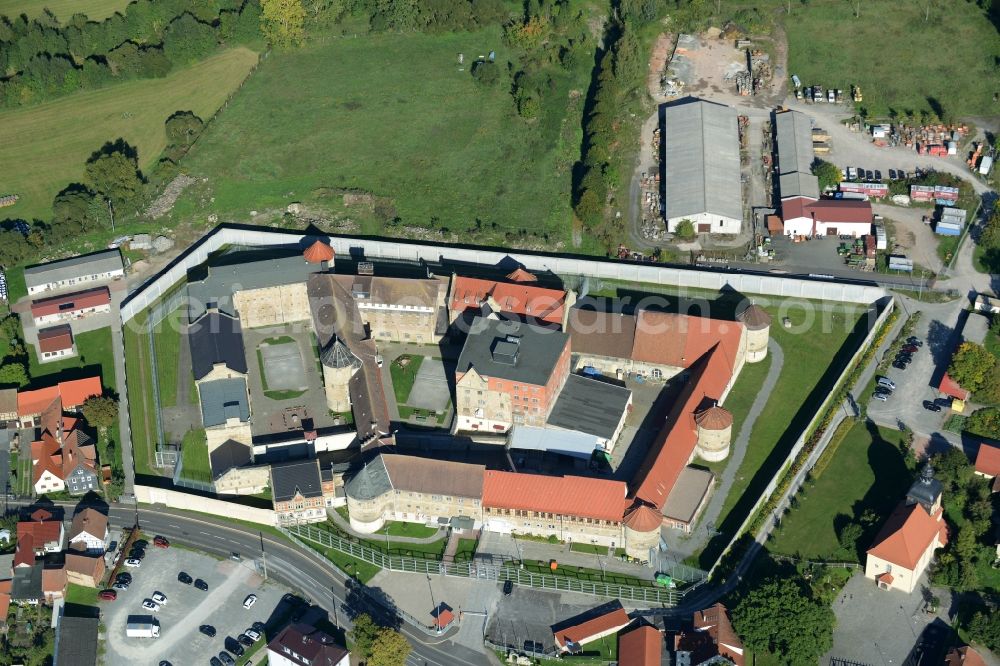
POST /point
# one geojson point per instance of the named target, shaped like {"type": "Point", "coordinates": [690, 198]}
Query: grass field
{"type": "Point", "coordinates": [394, 116]}
{"type": "Point", "coordinates": [895, 55]}
{"type": "Point", "coordinates": [63, 9]}
{"type": "Point", "coordinates": [194, 452]}
{"type": "Point", "coordinates": [167, 344]}
{"type": "Point", "coordinates": [867, 471]}
{"type": "Point", "coordinates": [94, 352]}
{"type": "Point", "coordinates": [138, 374]}
{"type": "Point", "coordinates": [403, 529]}
{"type": "Point", "coordinates": [404, 376]}
{"type": "Point", "coordinates": [51, 142]}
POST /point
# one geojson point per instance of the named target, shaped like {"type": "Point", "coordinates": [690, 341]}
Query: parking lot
{"type": "Point", "coordinates": [186, 608]}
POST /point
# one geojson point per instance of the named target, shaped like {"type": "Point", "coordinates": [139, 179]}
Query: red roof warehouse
{"type": "Point", "coordinates": [68, 304]}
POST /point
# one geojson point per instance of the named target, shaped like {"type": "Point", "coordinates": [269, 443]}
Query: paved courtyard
{"type": "Point", "coordinates": [430, 386]}
{"type": "Point", "coordinates": [283, 367]}
{"type": "Point", "coordinates": [187, 608]}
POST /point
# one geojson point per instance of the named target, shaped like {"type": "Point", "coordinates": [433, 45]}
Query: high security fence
{"type": "Point", "coordinates": [485, 571]}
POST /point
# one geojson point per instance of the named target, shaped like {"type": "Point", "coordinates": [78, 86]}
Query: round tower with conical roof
{"type": "Point", "coordinates": [758, 325]}
{"type": "Point", "coordinates": [339, 365]}
{"type": "Point", "coordinates": [715, 432]}
{"type": "Point", "coordinates": [642, 529]}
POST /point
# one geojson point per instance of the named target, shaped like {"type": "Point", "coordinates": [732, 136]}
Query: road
{"type": "Point", "coordinates": [288, 564]}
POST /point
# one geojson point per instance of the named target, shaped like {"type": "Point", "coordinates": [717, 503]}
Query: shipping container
{"type": "Point", "coordinates": [900, 263]}
{"type": "Point", "coordinates": [948, 229]}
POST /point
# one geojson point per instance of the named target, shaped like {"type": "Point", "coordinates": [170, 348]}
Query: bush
{"type": "Point", "coordinates": [486, 73]}
{"type": "Point", "coordinates": [685, 230]}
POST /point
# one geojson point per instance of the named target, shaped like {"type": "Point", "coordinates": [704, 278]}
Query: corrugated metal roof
{"type": "Point", "coordinates": [702, 160]}
{"type": "Point", "coordinates": [798, 184]}
{"type": "Point", "coordinates": [64, 303]}
{"type": "Point", "coordinates": [106, 261]}
{"type": "Point", "coordinates": [794, 135]}
{"type": "Point", "coordinates": [565, 442]}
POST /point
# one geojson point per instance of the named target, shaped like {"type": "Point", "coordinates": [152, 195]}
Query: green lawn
{"type": "Point", "coordinates": [403, 529]}
{"type": "Point", "coordinates": [167, 344]}
{"type": "Point", "coordinates": [94, 353]}
{"type": "Point", "coordinates": [586, 574]}
{"type": "Point", "coordinates": [395, 115]}
{"type": "Point", "coordinates": [867, 471]}
{"type": "Point", "coordinates": [466, 549]}
{"type": "Point", "coordinates": [138, 374]}
{"type": "Point", "coordinates": [826, 45]}
{"type": "Point", "coordinates": [16, 288]}
{"type": "Point", "coordinates": [403, 376]}
{"type": "Point", "coordinates": [51, 142]}
{"type": "Point", "coordinates": [95, 10]}
{"type": "Point", "coordinates": [78, 594]}
{"type": "Point", "coordinates": [431, 551]}
{"type": "Point", "coordinates": [352, 566]}
{"type": "Point", "coordinates": [194, 452]}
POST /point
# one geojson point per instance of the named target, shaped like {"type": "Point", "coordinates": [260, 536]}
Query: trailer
{"type": "Point", "coordinates": [142, 626]}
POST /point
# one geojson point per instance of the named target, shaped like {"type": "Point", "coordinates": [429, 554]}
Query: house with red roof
{"type": "Point", "coordinates": [711, 636]}
{"type": "Point", "coordinates": [64, 456]}
{"type": "Point", "coordinates": [988, 461]}
{"type": "Point", "coordinates": [951, 388]}
{"type": "Point", "coordinates": [589, 627]}
{"type": "Point", "coordinates": [67, 307]}
{"type": "Point", "coordinates": [804, 216]}
{"type": "Point", "coordinates": [517, 296]}
{"type": "Point", "coordinates": [904, 547]}
{"type": "Point", "coordinates": [963, 656]}
{"type": "Point", "coordinates": [55, 343]}
{"type": "Point", "coordinates": [642, 646]}
{"type": "Point", "coordinates": [43, 532]}
{"type": "Point", "coordinates": [72, 393]}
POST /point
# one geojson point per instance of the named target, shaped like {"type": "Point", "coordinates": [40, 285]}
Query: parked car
{"type": "Point", "coordinates": [899, 365]}
{"type": "Point", "coordinates": [892, 174]}
{"type": "Point", "coordinates": [886, 382]}
{"type": "Point", "coordinates": [201, 585]}
{"type": "Point", "coordinates": [184, 578]}
{"type": "Point", "coordinates": [137, 554]}
{"type": "Point", "coordinates": [869, 176]}
{"type": "Point", "coordinates": [250, 601]}
{"type": "Point", "coordinates": [161, 542]}
{"type": "Point", "coordinates": [159, 598]}
{"type": "Point", "coordinates": [880, 396]}
{"type": "Point", "coordinates": [133, 563]}
{"type": "Point", "coordinates": [258, 627]}
{"type": "Point", "coordinates": [878, 176]}
{"type": "Point", "coordinates": [245, 640]}
{"type": "Point", "coordinates": [915, 341]}
{"type": "Point", "coordinates": [944, 402]}
{"type": "Point", "coordinates": [860, 174]}
{"type": "Point", "coordinates": [883, 390]}
{"type": "Point", "coordinates": [214, 661]}
{"type": "Point", "coordinates": [235, 556]}
{"type": "Point", "coordinates": [208, 630]}
{"type": "Point", "coordinates": [120, 586]}
{"type": "Point", "coordinates": [910, 349]}
{"type": "Point", "coordinates": [254, 634]}
{"type": "Point", "coordinates": [508, 587]}
{"type": "Point", "coordinates": [234, 646]}
{"type": "Point", "coordinates": [226, 659]}
{"type": "Point", "coordinates": [905, 359]}
{"type": "Point", "coordinates": [151, 605]}
{"type": "Point", "coordinates": [932, 406]}
{"type": "Point", "coordinates": [124, 577]}
{"type": "Point", "coordinates": [901, 174]}
{"type": "Point", "coordinates": [107, 595]}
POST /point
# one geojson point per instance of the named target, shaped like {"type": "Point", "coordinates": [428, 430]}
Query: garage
{"type": "Point", "coordinates": [831, 231]}
{"type": "Point", "coordinates": [704, 228]}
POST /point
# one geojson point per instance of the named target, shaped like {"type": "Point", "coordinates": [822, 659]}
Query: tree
{"type": "Point", "coordinates": [485, 73]}
{"type": "Point", "coordinates": [985, 628]}
{"type": "Point", "coordinates": [100, 411]}
{"type": "Point", "coordinates": [685, 230]}
{"type": "Point", "coordinates": [848, 537]}
{"type": "Point", "coordinates": [985, 422]}
{"type": "Point", "coordinates": [13, 374]}
{"type": "Point", "coordinates": [971, 366]}
{"type": "Point", "coordinates": [827, 174]}
{"type": "Point", "coordinates": [389, 649]}
{"type": "Point", "coordinates": [363, 635]}
{"type": "Point", "coordinates": [283, 21]}
{"type": "Point", "coordinates": [183, 127]}
{"type": "Point", "coordinates": [115, 176]}
{"type": "Point", "coordinates": [782, 617]}
{"type": "Point", "coordinates": [71, 210]}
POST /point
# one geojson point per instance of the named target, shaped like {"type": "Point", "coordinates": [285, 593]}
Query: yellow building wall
{"type": "Point", "coordinates": [272, 306]}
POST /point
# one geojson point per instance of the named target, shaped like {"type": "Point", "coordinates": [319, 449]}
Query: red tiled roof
{"type": "Point", "coordinates": [585, 631]}
{"type": "Point", "coordinates": [640, 647]}
{"type": "Point", "coordinates": [91, 298]}
{"type": "Point", "coordinates": [602, 499]}
{"type": "Point", "coordinates": [964, 656]}
{"type": "Point", "coordinates": [951, 388]}
{"type": "Point", "coordinates": [680, 340]}
{"type": "Point", "coordinates": [39, 532]}
{"type": "Point", "coordinates": [907, 535]}
{"type": "Point", "coordinates": [521, 275]}
{"type": "Point", "coordinates": [24, 554]}
{"type": "Point", "coordinates": [885, 578]}
{"type": "Point", "coordinates": [988, 460]}
{"type": "Point", "coordinates": [715, 622]}
{"type": "Point", "coordinates": [794, 208]}
{"type": "Point", "coordinates": [4, 599]}
{"type": "Point", "coordinates": [85, 565]}
{"type": "Point", "coordinates": [840, 210]}
{"type": "Point", "coordinates": [54, 580]}
{"type": "Point", "coordinates": [442, 618]}
{"type": "Point", "coordinates": [318, 252]}
{"type": "Point", "coordinates": [643, 518]}
{"type": "Point", "coordinates": [714, 418]}
{"type": "Point", "coordinates": [55, 339]}
{"type": "Point", "coordinates": [73, 393]}
{"type": "Point", "coordinates": [521, 299]}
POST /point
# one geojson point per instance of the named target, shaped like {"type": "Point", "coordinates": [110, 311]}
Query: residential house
{"type": "Point", "coordinates": [89, 532]}
{"type": "Point", "coordinates": [297, 492]}
{"type": "Point", "coordinates": [711, 636]}
{"type": "Point", "coordinates": [84, 569]}
{"type": "Point", "coordinates": [76, 641]}
{"type": "Point", "coordinates": [72, 393]}
{"type": "Point", "coordinates": [904, 547]}
{"type": "Point", "coordinates": [575, 632]}
{"type": "Point", "coordinates": [963, 656]}
{"type": "Point", "coordinates": [509, 373]}
{"type": "Point", "coordinates": [303, 645]}
{"type": "Point", "coordinates": [55, 343]}
{"type": "Point", "coordinates": [42, 532]}
{"type": "Point", "coordinates": [5, 592]}
{"type": "Point", "coordinates": [67, 307]}
{"type": "Point", "coordinates": [53, 580]}
{"type": "Point", "coordinates": [103, 266]}
{"type": "Point", "coordinates": [642, 646]}
{"type": "Point", "coordinates": [8, 406]}
{"type": "Point", "coordinates": [64, 457]}
{"type": "Point", "coordinates": [516, 298]}
{"type": "Point", "coordinates": [26, 584]}
{"type": "Point", "coordinates": [988, 462]}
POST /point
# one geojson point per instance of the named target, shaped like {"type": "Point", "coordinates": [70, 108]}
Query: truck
{"type": "Point", "coordinates": [142, 626]}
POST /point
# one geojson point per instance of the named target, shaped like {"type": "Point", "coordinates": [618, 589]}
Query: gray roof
{"type": "Point", "coordinates": [337, 355]}
{"type": "Point", "coordinates": [701, 160]}
{"type": "Point", "coordinates": [105, 261]}
{"type": "Point", "coordinates": [566, 442]}
{"type": "Point", "coordinates": [793, 132]}
{"type": "Point", "coordinates": [370, 481]}
{"type": "Point", "coordinates": [591, 406]}
{"type": "Point", "coordinates": [512, 350]}
{"type": "Point", "coordinates": [299, 476]}
{"type": "Point", "coordinates": [76, 641]}
{"type": "Point", "coordinates": [926, 489]}
{"type": "Point", "coordinates": [216, 338]}
{"type": "Point", "coordinates": [228, 455]}
{"type": "Point", "coordinates": [687, 494]}
{"type": "Point", "coordinates": [798, 184]}
{"type": "Point", "coordinates": [223, 399]}
{"type": "Point", "coordinates": [246, 270]}
{"type": "Point", "coordinates": [27, 583]}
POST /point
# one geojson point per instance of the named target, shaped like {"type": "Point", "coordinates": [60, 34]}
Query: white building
{"type": "Point", "coordinates": [89, 531]}
{"type": "Point", "coordinates": [85, 270]}
{"type": "Point", "coordinates": [303, 645]}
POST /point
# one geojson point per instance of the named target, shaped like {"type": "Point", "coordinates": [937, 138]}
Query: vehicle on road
{"type": "Point", "coordinates": [886, 382]}
{"type": "Point", "coordinates": [159, 598]}
{"type": "Point", "coordinates": [161, 542]}
{"type": "Point", "coordinates": [151, 605]}
{"type": "Point", "coordinates": [226, 659]}
{"type": "Point", "coordinates": [201, 585]}
{"type": "Point", "coordinates": [931, 406]}
{"type": "Point", "coordinates": [880, 396]}
{"type": "Point", "coordinates": [235, 556]}
{"type": "Point", "coordinates": [142, 626]}
{"type": "Point", "coordinates": [208, 630]}
{"type": "Point", "coordinates": [107, 595]}
{"type": "Point", "coordinates": [508, 587]}
{"type": "Point", "coordinates": [250, 601]}
{"type": "Point", "coordinates": [185, 578]}
{"type": "Point", "coordinates": [133, 563]}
